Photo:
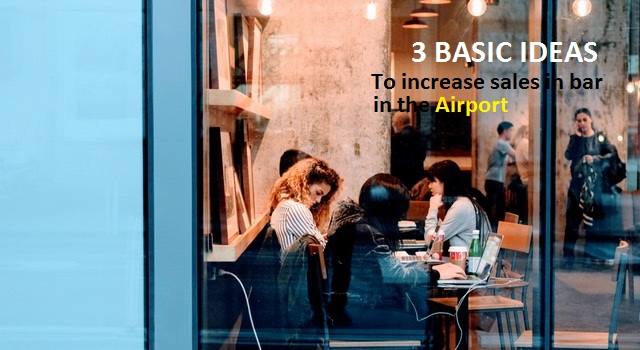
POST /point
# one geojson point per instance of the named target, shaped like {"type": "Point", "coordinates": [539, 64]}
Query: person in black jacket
{"type": "Point", "coordinates": [588, 151]}
{"type": "Point", "coordinates": [362, 240]}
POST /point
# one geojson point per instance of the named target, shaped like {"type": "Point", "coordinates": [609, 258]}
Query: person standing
{"type": "Point", "coordinates": [599, 213]}
{"type": "Point", "coordinates": [496, 173]}
{"type": "Point", "coordinates": [520, 184]}
{"type": "Point", "coordinates": [408, 150]}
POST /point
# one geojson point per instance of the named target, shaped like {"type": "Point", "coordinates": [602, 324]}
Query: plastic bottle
{"type": "Point", "coordinates": [436, 248]}
{"type": "Point", "coordinates": [475, 253]}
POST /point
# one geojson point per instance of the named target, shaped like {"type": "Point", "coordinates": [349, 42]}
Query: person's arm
{"type": "Point", "coordinates": [431, 222]}
{"type": "Point", "coordinates": [455, 220]}
{"type": "Point", "coordinates": [572, 152]}
{"type": "Point", "coordinates": [505, 148]}
{"type": "Point", "coordinates": [300, 221]}
{"type": "Point", "coordinates": [415, 272]}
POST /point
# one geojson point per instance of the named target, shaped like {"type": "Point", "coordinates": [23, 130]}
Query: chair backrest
{"type": "Point", "coordinates": [417, 210]}
{"type": "Point", "coordinates": [511, 217]}
{"type": "Point", "coordinates": [619, 270]}
{"type": "Point", "coordinates": [516, 247]}
{"type": "Point", "coordinates": [516, 236]}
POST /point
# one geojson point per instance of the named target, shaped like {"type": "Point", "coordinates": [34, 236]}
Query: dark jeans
{"type": "Point", "coordinates": [495, 202]}
{"type": "Point", "coordinates": [518, 200]}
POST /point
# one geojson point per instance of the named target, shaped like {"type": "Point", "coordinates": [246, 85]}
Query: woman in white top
{"type": "Point", "coordinates": [301, 199]}
{"type": "Point", "coordinates": [463, 214]}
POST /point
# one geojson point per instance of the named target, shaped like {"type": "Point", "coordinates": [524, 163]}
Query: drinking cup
{"type": "Point", "coordinates": [458, 256]}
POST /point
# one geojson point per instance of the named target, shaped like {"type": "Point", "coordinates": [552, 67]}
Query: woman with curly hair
{"type": "Point", "coordinates": [300, 200]}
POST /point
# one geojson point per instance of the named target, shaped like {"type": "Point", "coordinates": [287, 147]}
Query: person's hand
{"type": "Point", "coordinates": [587, 159]}
{"type": "Point", "coordinates": [576, 129]}
{"type": "Point", "coordinates": [449, 271]}
{"type": "Point", "coordinates": [435, 201]}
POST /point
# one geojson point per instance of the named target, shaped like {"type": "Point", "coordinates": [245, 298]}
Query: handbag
{"type": "Point", "coordinates": [615, 170]}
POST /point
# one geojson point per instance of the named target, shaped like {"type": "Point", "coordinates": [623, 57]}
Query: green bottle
{"type": "Point", "coordinates": [475, 253]}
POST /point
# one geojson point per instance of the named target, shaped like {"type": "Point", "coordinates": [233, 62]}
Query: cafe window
{"type": "Point", "coordinates": [279, 77]}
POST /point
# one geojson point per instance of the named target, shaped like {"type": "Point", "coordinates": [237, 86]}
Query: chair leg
{"type": "Point", "coordinates": [447, 331]}
{"type": "Point", "coordinates": [630, 280]}
{"type": "Point", "coordinates": [509, 328]}
{"type": "Point", "coordinates": [525, 316]}
{"type": "Point", "coordinates": [517, 322]}
{"type": "Point", "coordinates": [500, 332]}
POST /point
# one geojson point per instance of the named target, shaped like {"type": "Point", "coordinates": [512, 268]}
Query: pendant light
{"type": "Point", "coordinates": [423, 12]}
{"type": "Point", "coordinates": [435, 2]}
{"type": "Point", "coordinates": [414, 23]}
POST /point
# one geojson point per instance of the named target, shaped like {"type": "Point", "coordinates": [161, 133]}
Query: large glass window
{"type": "Point", "coordinates": [515, 93]}
{"type": "Point", "coordinates": [71, 175]}
{"type": "Point", "coordinates": [533, 101]}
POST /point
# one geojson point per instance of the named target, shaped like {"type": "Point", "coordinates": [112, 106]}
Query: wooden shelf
{"type": "Point", "coordinates": [235, 102]}
{"type": "Point", "coordinates": [232, 251]}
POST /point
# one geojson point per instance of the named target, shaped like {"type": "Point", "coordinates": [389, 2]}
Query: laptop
{"type": "Point", "coordinates": [404, 257]}
{"type": "Point", "coordinates": [412, 244]}
{"type": "Point", "coordinates": [489, 257]}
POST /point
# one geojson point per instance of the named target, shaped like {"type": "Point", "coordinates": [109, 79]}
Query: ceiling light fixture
{"type": "Point", "coordinates": [423, 12]}
{"type": "Point", "coordinates": [372, 9]}
{"type": "Point", "coordinates": [414, 23]}
{"type": "Point", "coordinates": [265, 7]}
{"type": "Point", "coordinates": [435, 2]}
{"type": "Point", "coordinates": [477, 7]}
{"type": "Point", "coordinates": [581, 7]}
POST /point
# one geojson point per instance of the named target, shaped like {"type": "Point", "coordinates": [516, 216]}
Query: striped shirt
{"type": "Point", "coordinates": [291, 220]}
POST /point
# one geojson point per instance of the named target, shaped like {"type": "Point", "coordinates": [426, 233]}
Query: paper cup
{"type": "Point", "coordinates": [458, 256]}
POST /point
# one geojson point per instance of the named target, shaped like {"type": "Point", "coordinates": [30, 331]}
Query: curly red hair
{"type": "Point", "coordinates": [295, 182]}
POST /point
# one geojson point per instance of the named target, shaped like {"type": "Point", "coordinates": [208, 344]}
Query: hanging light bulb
{"type": "Point", "coordinates": [477, 7]}
{"type": "Point", "coordinates": [372, 9]}
{"type": "Point", "coordinates": [265, 7]}
{"type": "Point", "coordinates": [631, 87]}
{"type": "Point", "coordinates": [581, 7]}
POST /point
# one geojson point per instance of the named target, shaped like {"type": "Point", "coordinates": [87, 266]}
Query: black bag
{"type": "Point", "coordinates": [615, 170]}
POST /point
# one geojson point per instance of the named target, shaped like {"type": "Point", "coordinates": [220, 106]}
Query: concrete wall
{"type": "Point", "coordinates": [318, 58]}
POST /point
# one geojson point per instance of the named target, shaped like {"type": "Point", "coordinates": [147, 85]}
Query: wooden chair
{"type": "Point", "coordinates": [588, 339]}
{"type": "Point", "coordinates": [511, 217]}
{"type": "Point", "coordinates": [515, 251]}
{"type": "Point", "coordinates": [417, 210]}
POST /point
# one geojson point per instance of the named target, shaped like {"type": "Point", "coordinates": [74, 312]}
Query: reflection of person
{"type": "Point", "coordinates": [362, 240]}
{"type": "Point", "coordinates": [588, 149]}
{"type": "Point", "coordinates": [518, 186]}
{"type": "Point", "coordinates": [291, 157]}
{"type": "Point", "coordinates": [301, 199]}
{"type": "Point", "coordinates": [463, 214]}
{"type": "Point", "coordinates": [408, 150]}
{"type": "Point", "coordinates": [496, 173]}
